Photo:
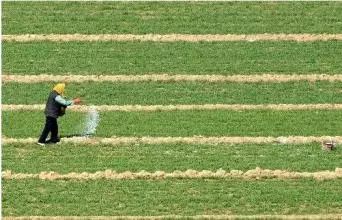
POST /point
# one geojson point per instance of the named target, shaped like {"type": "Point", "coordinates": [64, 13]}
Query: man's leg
{"type": "Point", "coordinates": [54, 131]}
{"type": "Point", "coordinates": [46, 130]}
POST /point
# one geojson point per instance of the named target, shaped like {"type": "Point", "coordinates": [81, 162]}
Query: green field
{"type": "Point", "coordinates": [157, 93]}
{"type": "Point", "coordinates": [226, 58]}
{"type": "Point", "coordinates": [183, 197]}
{"type": "Point", "coordinates": [168, 157]}
{"type": "Point", "coordinates": [185, 123]}
{"type": "Point", "coordinates": [172, 17]}
{"type": "Point", "coordinates": [176, 196]}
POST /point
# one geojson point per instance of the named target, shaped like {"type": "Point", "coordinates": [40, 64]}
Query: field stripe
{"type": "Point", "coordinates": [184, 140]}
{"type": "Point", "coordinates": [6, 77]}
{"type": "Point", "coordinates": [153, 108]}
{"type": "Point", "coordinates": [172, 37]}
{"type": "Point", "coordinates": [256, 173]}
{"type": "Point", "coordinates": [213, 217]}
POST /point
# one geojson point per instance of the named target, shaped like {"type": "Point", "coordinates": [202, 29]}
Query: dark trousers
{"type": "Point", "coordinates": [50, 126]}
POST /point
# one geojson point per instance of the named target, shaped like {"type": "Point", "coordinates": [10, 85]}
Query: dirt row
{"type": "Point", "coordinates": [196, 217]}
{"type": "Point", "coordinates": [256, 173]}
{"type": "Point", "coordinates": [6, 77]}
{"type": "Point", "coordinates": [153, 108]}
{"type": "Point", "coordinates": [173, 37]}
{"type": "Point", "coordinates": [116, 141]}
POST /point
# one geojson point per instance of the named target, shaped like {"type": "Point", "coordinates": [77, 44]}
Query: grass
{"type": "Point", "coordinates": [180, 197]}
{"type": "Point", "coordinates": [226, 58]}
{"type": "Point", "coordinates": [154, 93]}
{"type": "Point", "coordinates": [169, 157]}
{"type": "Point", "coordinates": [164, 197]}
{"type": "Point", "coordinates": [166, 17]}
{"type": "Point", "coordinates": [183, 123]}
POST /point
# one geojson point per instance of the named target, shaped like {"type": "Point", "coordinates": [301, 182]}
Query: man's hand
{"type": "Point", "coordinates": [76, 101]}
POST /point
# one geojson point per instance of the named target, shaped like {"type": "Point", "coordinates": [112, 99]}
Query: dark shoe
{"type": "Point", "coordinates": [41, 144]}
{"type": "Point", "coordinates": [53, 141]}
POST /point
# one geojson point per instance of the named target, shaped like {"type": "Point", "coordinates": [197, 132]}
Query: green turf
{"type": "Point", "coordinates": [152, 93]}
{"type": "Point", "coordinates": [184, 123]}
{"type": "Point", "coordinates": [180, 197]}
{"type": "Point", "coordinates": [171, 17]}
{"type": "Point", "coordinates": [26, 158]}
{"type": "Point", "coordinates": [226, 58]}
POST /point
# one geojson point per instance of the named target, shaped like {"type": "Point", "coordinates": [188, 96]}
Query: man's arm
{"type": "Point", "coordinates": [63, 101]}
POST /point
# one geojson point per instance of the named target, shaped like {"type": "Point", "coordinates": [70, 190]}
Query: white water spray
{"type": "Point", "coordinates": [92, 120]}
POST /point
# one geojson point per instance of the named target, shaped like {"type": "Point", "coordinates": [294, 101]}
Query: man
{"type": "Point", "coordinates": [55, 107]}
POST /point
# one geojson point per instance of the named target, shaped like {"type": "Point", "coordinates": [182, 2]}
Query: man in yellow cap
{"type": "Point", "coordinates": [55, 107]}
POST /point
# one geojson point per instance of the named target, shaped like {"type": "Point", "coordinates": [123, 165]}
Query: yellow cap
{"type": "Point", "coordinates": [59, 88]}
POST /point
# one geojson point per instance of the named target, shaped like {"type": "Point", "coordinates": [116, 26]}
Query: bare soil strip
{"type": "Point", "coordinates": [213, 217]}
{"type": "Point", "coordinates": [6, 77]}
{"type": "Point", "coordinates": [153, 108]}
{"type": "Point", "coordinates": [256, 173]}
{"type": "Point", "coordinates": [116, 141]}
{"type": "Point", "coordinates": [172, 37]}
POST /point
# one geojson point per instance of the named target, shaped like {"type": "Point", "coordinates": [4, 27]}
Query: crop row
{"type": "Point", "coordinates": [166, 17]}
{"type": "Point", "coordinates": [226, 58]}
{"type": "Point", "coordinates": [163, 197]}
{"type": "Point", "coordinates": [159, 93]}
{"type": "Point", "coordinates": [184, 123]}
{"type": "Point", "coordinates": [28, 158]}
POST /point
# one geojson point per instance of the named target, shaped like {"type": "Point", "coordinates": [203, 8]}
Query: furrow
{"type": "Point", "coordinates": [185, 140]}
{"type": "Point", "coordinates": [153, 108]}
{"type": "Point", "coordinates": [214, 217]}
{"type": "Point", "coordinates": [256, 173]}
{"type": "Point", "coordinates": [172, 37]}
{"type": "Point", "coordinates": [7, 77]}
